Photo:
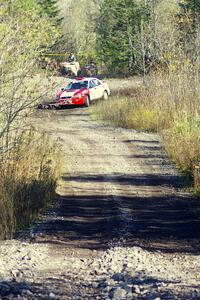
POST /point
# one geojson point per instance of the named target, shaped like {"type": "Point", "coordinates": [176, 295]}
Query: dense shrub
{"type": "Point", "coordinates": [169, 105]}
{"type": "Point", "coordinates": [27, 183]}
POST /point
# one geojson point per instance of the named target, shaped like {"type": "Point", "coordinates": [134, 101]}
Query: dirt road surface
{"type": "Point", "coordinates": [122, 226]}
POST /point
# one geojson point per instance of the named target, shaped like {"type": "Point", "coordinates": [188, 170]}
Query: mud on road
{"type": "Point", "coordinates": [123, 227]}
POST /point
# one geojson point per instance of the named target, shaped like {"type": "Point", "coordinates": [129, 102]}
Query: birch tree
{"type": "Point", "coordinates": [78, 26]}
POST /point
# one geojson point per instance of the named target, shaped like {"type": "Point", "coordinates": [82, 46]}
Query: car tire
{"type": "Point", "coordinates": [87, 101]}
{"type": "Point", "coordinates": [40, 106]}
{"type": "Point", "coordinates": [105, 95]}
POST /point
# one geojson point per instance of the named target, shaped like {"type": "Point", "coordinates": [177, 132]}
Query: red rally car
{"type": "Point", "coordinates": [82, 91]}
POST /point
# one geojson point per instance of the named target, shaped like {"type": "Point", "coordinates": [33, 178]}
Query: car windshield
{"type": "Point", "coordinates": [77, 85]}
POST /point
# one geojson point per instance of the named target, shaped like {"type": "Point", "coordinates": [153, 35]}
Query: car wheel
{"type": "Point", "coordinates": [87, 101]}
{"type": "Point", "coordinates": [40, 106]}
{"type": "Point", "coordinates": [105, 95]}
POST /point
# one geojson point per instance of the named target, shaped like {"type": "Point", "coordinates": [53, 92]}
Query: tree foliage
{"type": "Point", "coordinates": [136, 35]}
{"type": "Point", "coordinates": [23, 38]}
{"type": "Point", "coordinates": [78, 27]}
{"type": "Point", "coordinates": [119, 33]}
{"type": "Point", "coordinates": [51, 9]}
{"type": "Point", "coordinates": [189, 25]}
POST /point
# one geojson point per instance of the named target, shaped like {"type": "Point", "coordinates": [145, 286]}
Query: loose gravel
{"type": "Point", "coordinates": [122, 227]}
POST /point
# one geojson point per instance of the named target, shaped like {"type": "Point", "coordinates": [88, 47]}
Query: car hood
{"type": "Point", "coordinates": [70, 93]}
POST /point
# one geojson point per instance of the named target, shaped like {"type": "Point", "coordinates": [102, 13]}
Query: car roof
{"type": "Point", "coordinates": [84, 79]}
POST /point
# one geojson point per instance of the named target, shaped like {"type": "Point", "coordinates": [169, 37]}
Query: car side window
{"type": "Point", "coordinates": [92, 84]}
{"type": "Point", "coordinates": [97, 82]}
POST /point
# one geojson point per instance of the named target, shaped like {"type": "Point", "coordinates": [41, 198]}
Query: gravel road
{"type": "Point", "coordinates": [122, 226]}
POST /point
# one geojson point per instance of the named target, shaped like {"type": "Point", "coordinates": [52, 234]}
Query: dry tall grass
{"type": "Point", "coordinates": [28, 176]}
{"type": "Point", "coordinates": [169, 105]}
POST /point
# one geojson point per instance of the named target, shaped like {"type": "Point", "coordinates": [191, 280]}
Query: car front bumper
{"type": "Point", "coordinates": [71, 101]}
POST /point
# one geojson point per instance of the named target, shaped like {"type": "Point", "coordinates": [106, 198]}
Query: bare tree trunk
{"type": "Point", "coordinates": [143, 51]}
{"type": "Point", "coordinates": [11, 8]}
{"type": "Point", "coordinates": [153, 13]}
{"type": "Point", "coordinates": [131, 56]}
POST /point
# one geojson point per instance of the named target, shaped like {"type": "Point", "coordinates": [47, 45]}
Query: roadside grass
{"type": "Point", "coordinates": [28, 179]}
{"type": "Point", "coordinates": [29, 164]}
{"type": "Point", "coordinates": [168, 105]}
{"type": "Point", "coordinates": [124, 86]}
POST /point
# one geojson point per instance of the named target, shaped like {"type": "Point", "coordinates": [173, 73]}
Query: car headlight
{"type": "Point", "coordinates": [78, 96]}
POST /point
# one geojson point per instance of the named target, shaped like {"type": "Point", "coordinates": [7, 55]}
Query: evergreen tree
{"type": "Point", "coordinates": [189, 24]}
{"type": "Point", "coordinates": [192, 6]}
{"type": "Point", "coordinates": [190, 13]}
{"type": "Point", "coordinates": [51, 9]}
{"type": "Point", "coordinates": [119, 29]}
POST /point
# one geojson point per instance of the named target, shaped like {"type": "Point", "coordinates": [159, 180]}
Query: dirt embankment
{"type": "Point", "coordinates": [122, 227]}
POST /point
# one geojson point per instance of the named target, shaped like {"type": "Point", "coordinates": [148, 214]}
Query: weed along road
{"type": "Point", "coordinates": [122, 227]}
